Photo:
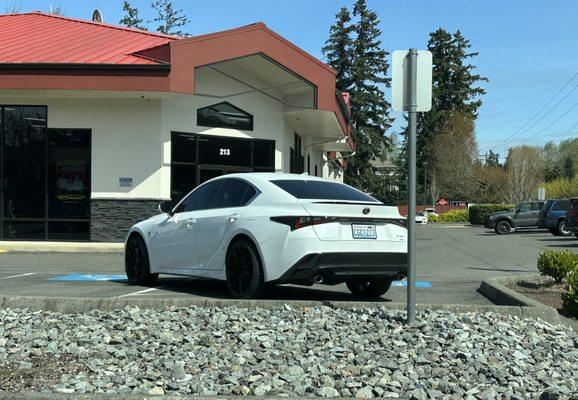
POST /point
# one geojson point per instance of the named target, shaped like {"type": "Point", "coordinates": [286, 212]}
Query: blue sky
{"type": "Point", "coordinates": [528, 49]}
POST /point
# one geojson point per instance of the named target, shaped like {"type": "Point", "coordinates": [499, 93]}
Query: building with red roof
{"type": "Point", "coordinates": [99, 123]}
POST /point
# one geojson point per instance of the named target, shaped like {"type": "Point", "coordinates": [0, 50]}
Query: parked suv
{"type": "Point", "coordinates": [525, 215]}
{"type": "Point", "coordinates": [552, 216]}
{"type": "Point", "coordinates": [572, 216]}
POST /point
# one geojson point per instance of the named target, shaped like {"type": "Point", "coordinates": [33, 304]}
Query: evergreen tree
{"type": "Point", "coordinates": [131, 18]}
{"type": "Point", "coordinates": [337, 49]}
{"type": "Point", "coordinates": [169, 19]}
{"type": "Point", "coordinates": [369, 108]}
{"type": "Point", "coordinates": [492, 159]}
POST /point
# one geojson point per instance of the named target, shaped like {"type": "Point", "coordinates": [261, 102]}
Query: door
{"type": "Point", "coordinates": [175, 237]}
{"type": "Point", "coordinates": [527, 214]}
{"type": "Point", "coordinates": [214, 225]}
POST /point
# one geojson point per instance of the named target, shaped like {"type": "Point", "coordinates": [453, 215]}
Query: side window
{"type": "Point", "coordinates": [524, 207]}
{"type": "Point", "coordinates": [233, 193]}
{"type": "Point", "coordinates": [561, 205]}
{"type": "Point", "coordinates": [534, 206]}
{"type": "Point", "coordinates": [200, 199]}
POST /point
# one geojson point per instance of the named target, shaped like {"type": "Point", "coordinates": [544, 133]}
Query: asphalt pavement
{"type": "Point", "coordinates": [452, 261]}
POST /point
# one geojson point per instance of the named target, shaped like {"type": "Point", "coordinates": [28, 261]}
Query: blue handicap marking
{"type": "Point", "coordinates": [419, 284]}
{"type": "Point", "coordinates": [75, 277]}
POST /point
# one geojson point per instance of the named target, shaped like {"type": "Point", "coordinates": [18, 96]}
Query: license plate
{"type": "Point", "coordinates": [363, 231]}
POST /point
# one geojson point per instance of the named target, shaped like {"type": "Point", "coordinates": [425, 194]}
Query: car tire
{"type": "Point", "coordinates": [366, 289]}
{"type": "Point", "coordinates": [244, 272]}
{"type": "Point", "coordinates": [136, 262]}
{"type": "Point", "coordinates": [554, 231]}
{"type": "Point", "coordinates": [562, 230]}
{"type": "Point", "coordinates": [503, 228]}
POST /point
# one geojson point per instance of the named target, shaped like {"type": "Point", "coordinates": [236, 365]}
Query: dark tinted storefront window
{"type": "Point", "coordinates": [183, 180]}
{"type": "Point", "coordinates": [184, 148]}
{"type": "Point", "coordinates": [23, 230]}
{"type": "Point", "coordinates": [68, 231]}
{"type": "Point", "coordinates": [68, 174]}
{"type": "Point", "coordinates": [215, 150]}
{"type": "Point", "coordinates": [23, 160]}
{"type": "Point", "coordinates": [264, 155]}
{"type": "Point", "coordinates": [225, 115]}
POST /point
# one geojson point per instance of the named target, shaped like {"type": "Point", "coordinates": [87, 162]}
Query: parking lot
{"type": "Point", "coordinates": [452, 260]}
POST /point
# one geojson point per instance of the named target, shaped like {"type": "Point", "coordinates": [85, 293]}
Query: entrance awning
{"type": "Point", "coordinates": [256, 73]}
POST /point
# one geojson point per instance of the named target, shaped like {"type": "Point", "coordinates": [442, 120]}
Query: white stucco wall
{"type": "Point", "coordinates": [131, 136]}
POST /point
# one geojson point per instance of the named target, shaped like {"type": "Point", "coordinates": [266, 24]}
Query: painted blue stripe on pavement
{"type": "Point", "coordinates": [88, 278]}
{"type": "Point", "coordinates": [419, 284]}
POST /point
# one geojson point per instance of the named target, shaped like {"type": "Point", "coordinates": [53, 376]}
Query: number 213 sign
{"type": "Point", "coordinates": [225, 152]}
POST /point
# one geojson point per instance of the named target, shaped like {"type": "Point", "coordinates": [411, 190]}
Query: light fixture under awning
{"type": "Point", "coordinates": [256, 73]}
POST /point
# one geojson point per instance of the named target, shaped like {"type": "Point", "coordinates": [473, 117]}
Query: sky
{"type": "Point", "coordinates": [527, 49]}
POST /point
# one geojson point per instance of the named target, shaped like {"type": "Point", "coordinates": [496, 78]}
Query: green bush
{"type": "Point", "coordinates": [557, 264]}
{"type": "Point", "coordinates": [479, 212]}
{"type": "Point", "coordinates": [570, 297]}
{"type": "Point", "coordinates": [450, 216]}
{"type": "Point", "coordinates": [561, 188]}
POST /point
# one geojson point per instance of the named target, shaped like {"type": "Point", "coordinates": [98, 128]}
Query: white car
{"type": "Point", "coordinates": [253, 229]}
{"type": "Point", "coordinates": [421, 218]}
{"type": "Point", "coordinates": [430, 211]}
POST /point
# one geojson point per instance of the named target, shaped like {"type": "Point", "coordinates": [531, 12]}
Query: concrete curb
{"type": "Point", "coordinates": [81, 305]}
{"type": "Point", "coordinates": [497, 291]}
{"type": "Point", "coordinates": [62, 247]}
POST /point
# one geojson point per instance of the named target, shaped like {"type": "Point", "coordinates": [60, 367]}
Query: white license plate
{"type": "Point", "coordinates": [363, 231]}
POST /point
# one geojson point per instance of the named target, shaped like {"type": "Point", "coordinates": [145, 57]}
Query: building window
{"type": "Point", "coordinates": [315, 169]}
{"type": "Point", "coordinates": [224, 115]}
{"type": "Point", "coordinates": [297, 161]}
{"type": "Point", "coordinates": [308, 165]}
{"type": "Point", "coordinates": [197, 158]}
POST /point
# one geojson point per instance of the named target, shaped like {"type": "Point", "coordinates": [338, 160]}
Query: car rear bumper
{"type": "Point", "coordinates": [334, 268]}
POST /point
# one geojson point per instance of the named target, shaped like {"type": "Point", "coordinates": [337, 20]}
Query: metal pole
{"type": "Point", "coordinates": [412, 107]}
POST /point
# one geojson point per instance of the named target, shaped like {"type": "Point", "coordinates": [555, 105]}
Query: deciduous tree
{"type": "Point", "coordinates": [525, 168]}
{"type": "Point", "coordinates": [131, 17]}
{"type": "Point", "coordinates": [170, 20]}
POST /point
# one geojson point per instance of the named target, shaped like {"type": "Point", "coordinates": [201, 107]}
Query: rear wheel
{"type": "Point", "coordinates": [136, 262]}
{"type": "Point", "coordinates": [503, 228]}
{"type": "Point", "coordinates": [244, 273]}
{"type": "Point", "coordinates": [366, 289]}
{"type": "Point", "coordinates": [562, 229]}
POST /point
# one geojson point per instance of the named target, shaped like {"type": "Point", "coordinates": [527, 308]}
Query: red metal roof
{"type": "Point", "coordinates": [37, 37]}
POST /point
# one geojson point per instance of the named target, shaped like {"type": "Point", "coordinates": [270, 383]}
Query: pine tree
{"type": "Point", "coordinates": [492, 159]}
{"type": "Point", "coordinates": [369, 108]}
{"type": "Point", "coordinates": [338, 47]}
{"type": "Point", "coordinates": [169, 19]}
{"type": "Point", "coordinates": [131, 18]}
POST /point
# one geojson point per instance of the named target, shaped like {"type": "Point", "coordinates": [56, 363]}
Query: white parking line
{"type": "Point", "coordinates": [17, 276]}
{"type": "Point", "coordinates": [139, 292]}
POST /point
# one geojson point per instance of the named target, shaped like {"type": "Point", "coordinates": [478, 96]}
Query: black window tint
{"type": "Point", "coordinates": [561, 205]}
{"type": "Point", "coordinates": [217, 150]}
{"type": "Point", "coordinates": [200, 199]}
{"type": "Point", "coordinates": [233, 193]}
{"type": "Point", "coordinates": [573, 205]}
{"type": "Point", "coordinates": [183, 180]}
{"type": "Point", "coordinates": [225, 115]}
{"type": "Point", "coordinates": [264, 154]}
{"type": "Point", "coordinates": [183, 147]}
{"type": "Point", "coordinates": [309, 189]}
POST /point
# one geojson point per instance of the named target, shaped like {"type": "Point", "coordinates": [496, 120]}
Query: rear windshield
{"type": "Point", "coordinates": [310, 189]}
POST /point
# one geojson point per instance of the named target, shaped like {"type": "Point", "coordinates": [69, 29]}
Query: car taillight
{"type": "Point", "coordinates": [301, 222]}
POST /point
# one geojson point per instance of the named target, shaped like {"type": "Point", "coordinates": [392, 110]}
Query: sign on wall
{"type": "Point", "coordinates": [125, 182]}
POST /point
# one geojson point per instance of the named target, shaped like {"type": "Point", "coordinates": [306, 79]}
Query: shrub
{"type": "Point", "coordinates": [479, 212]}
{"type": "Point", "coordinates": [450, 216]}
{"type": "Point", "coordinates": [561, 188]}
{"type": "Point", "coordinates": [557, 264]}
{"type": "Point", "coordinates": [570, 297]}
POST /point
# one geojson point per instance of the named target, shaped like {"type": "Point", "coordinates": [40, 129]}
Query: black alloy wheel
{"type": "Point", "coordinates": [243, 269]}
{"type": "Point", "coordinates": [366, 289]}
{"type": "Point", "coordinates": [503, 228]}
{"type": "Point", "coordinates": [136, 262]}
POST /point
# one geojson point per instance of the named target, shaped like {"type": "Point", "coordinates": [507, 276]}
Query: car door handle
{"type": "Point", "coordinates": [190, 222]}
{"type": "Point", "coordinates": [232, 218]}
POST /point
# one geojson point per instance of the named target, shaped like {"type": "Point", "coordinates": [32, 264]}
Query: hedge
{"type": "Point", "coordinates": [557, 264]}
{"type": "Point", "coordinates": [450, 216]}
{"type": "Point", "coordinates": [570, 297]}
{"type": "Point", "coordinates": [479, 212]}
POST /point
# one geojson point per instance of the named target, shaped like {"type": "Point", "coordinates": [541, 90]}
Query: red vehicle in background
{"type": "Point", "coordinates": [572, 216]}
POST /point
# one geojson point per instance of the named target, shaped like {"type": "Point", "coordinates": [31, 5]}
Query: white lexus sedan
{"type": "Point", "coordinates": [255, 229]}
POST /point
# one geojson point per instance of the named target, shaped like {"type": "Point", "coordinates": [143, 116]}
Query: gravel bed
{"type": "Point", "coordinates": [317, 351]}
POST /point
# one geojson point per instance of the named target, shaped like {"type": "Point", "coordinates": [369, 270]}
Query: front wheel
{"type": "Point", "coordinates": [136, 262]}
{"type": "Point", "coordinates": [366, 289]}
{"type": "Point", "coordinates": [562, 229]}
{"type": "Point", "coordinates": [503, 228]}
{"type": "Point", "coordinates": [243, 269]}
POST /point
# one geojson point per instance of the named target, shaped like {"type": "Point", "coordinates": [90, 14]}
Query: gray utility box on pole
{"type": "Point", "coordinates": [411, 92]}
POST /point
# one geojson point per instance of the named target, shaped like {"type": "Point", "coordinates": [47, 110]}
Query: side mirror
{"type": "Point", "coordinates": [166, 207]}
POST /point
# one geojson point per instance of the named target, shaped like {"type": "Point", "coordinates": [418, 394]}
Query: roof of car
{"type": "Point", "coordinates": [273, 176]}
